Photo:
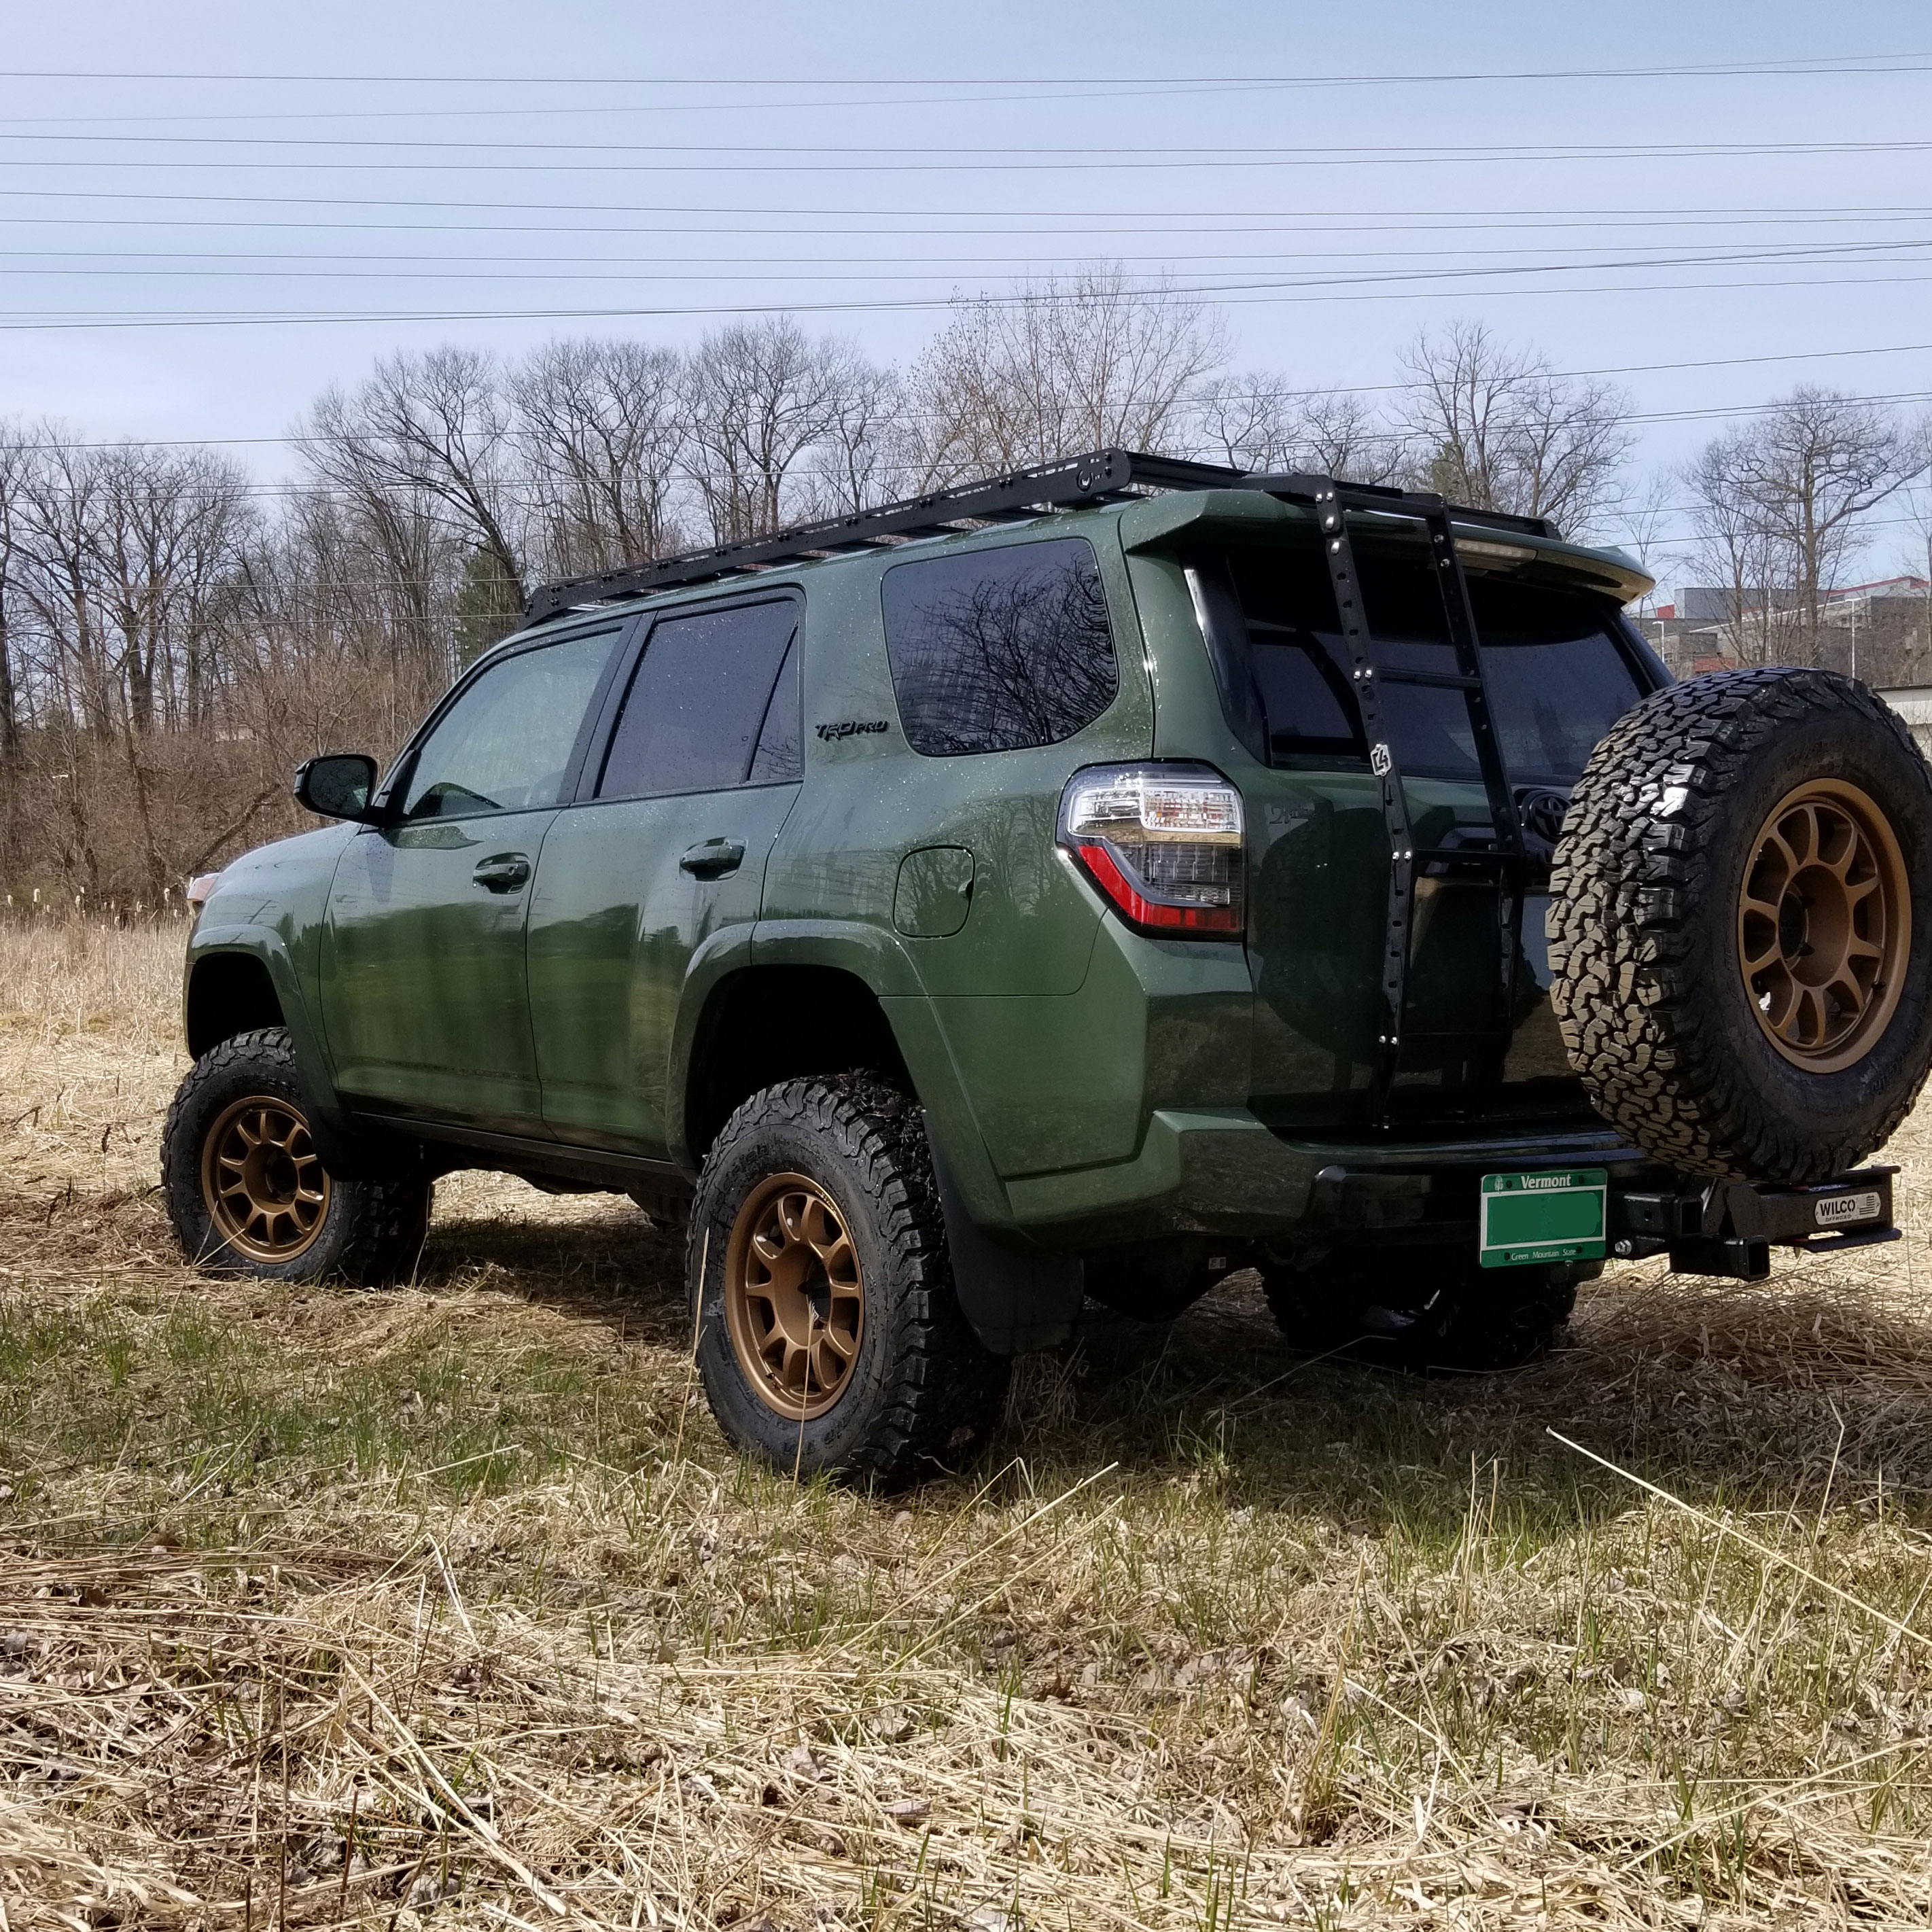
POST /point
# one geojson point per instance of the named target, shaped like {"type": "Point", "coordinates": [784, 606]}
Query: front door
{"type": "Point", "coordinates": [425, 992]}
{"type": "Point", "coordinates": [662, 858]}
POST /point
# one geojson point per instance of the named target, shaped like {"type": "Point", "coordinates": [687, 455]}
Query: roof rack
{"type": "Point", "coordinates": [1075, 482]}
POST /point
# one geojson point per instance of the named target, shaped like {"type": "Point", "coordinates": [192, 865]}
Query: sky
{"type": "Point", "coordinates": [208, 213]}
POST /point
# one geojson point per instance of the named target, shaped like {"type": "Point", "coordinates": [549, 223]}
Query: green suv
{"type": "Point", "coordinates": [1089, 882]}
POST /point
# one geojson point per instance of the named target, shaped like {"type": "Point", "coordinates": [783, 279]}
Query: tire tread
{"type": "Point", "coordinates": [945, 1389]}
{"type": "Point", "coordinates": [1636, 1021]}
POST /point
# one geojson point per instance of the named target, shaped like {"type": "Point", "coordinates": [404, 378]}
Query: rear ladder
{"type": "Point", "coordinates": [1332, 503]}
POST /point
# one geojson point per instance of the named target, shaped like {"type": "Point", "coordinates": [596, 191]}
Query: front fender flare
{"type": "Point", "coordinates": [333, 1137]}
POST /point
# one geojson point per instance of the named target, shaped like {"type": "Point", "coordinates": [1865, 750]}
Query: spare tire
{"type": "Point", "coordinates": [1741, 925]}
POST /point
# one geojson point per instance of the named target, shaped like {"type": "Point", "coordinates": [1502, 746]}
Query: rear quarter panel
{"type": "Point", "coordinates": [1049, 1074]}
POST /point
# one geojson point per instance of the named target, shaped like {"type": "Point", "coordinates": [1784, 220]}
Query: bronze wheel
{"type": "Point", "coordinates": [262, 1181]}
{"type": "Point", "coordinates": [794, 1297]}
{"type": "Point", "coordinates": [1825, 925]}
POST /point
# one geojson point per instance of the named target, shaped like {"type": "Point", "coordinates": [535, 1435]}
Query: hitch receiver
{"type": "Point", "coordinates": [1729, 1228]}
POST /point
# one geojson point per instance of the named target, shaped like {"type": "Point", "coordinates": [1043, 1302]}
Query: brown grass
{"type": "Point", "coordinates": [317, 1603]}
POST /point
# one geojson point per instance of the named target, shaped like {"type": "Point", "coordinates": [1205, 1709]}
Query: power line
{"type": "Point", "coordinates": [1231, 295]}
{"type": "Point", "coordinates": [1847, 64]}
{"type": "Point", "coordinates": [718, 269]}
{"type": "Point", "coordinates": [894, 152]}
{"type": "Point", "coordinates": [925, 216]}
{"type": "Point", "coordinates": [1711, 412]}
{"type": "Point", "coordinates": [983, 161]}
{"type": "Point", "coordinates": [1125, 227]}
{"type": "Point", "coordinates": [1174, 89]}
{"type": "Point", "coordinates": [240, 262]}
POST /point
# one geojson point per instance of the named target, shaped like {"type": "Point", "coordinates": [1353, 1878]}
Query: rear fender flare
{"type": "Point", "coordinates": [878, 959]}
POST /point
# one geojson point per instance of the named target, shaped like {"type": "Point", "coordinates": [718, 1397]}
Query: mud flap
{"type": "Point", "coordinates": [1017, 1300]}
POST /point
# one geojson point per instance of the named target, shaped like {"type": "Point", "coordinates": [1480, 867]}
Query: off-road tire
{"type": "Point", "coordinates": [1423, 1308]}
{"type": "Point", "coordinates": [923, 1395]}
{"type": "Point", "coordinates": [371, 1232]}
{"type": "Point", "coordinates": [1649, 984]}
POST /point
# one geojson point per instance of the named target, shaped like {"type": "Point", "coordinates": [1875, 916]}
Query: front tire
{"type": "Point", "coordinates": [828, 1334]}
{"type": "Point", "coordinates": [247, 1193]}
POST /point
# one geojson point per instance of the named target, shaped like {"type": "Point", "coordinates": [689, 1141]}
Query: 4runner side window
{"type": "Point", "coordinates": [505, 743]}
{"type": "Point", "coordinates": [701, 697]}
{"type": "Point", "coordinates": [999, 649]}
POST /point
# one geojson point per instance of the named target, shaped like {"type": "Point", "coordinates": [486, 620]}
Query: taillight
{"type": "Point", "coordinates": [1162, 842]}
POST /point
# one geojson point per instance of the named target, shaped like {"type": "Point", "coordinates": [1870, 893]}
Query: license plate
{"type": "Point", "coordinates": [1527, 1218]}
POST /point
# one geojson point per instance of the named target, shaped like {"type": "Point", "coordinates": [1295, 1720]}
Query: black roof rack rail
{"type": "Point", "coordinates": [1074, 482]}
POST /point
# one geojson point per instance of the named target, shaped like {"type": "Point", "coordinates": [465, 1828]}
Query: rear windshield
{"type": "Point", "coordinates": [1559, 672]}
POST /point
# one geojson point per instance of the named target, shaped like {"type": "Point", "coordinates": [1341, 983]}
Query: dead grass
{"type": "Point", "coordinates": [315, 1604]}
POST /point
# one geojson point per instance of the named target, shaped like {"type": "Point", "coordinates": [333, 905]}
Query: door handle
{"type": "Point", "coordinates": [713, 859]}
{"type": "Point", "coordinates": [507, 872]}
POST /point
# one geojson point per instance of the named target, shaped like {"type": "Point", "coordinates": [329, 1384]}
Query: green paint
{"type": "Point", "coordinates": [1086, 1084]}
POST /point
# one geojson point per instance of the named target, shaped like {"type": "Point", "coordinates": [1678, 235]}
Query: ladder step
{"type": "Point", "coordinates": [1442, 680]}
{"type": "Point", "coordinates": [1464, 855]}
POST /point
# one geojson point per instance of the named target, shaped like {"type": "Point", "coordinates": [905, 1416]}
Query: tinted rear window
{"type": "Point", "coordinates": [698, 700]}
{"type": "Point", "coordinates": [999, 649]}
{"type": "Point", "coordinates": [1558, 678]}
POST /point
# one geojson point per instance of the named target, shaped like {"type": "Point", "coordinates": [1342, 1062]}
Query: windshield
{"type": "Point", "coordinates": [1558, 670]}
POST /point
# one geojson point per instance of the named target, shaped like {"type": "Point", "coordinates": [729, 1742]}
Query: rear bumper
{"type": "Point", "coordinates": [1222, 1171]}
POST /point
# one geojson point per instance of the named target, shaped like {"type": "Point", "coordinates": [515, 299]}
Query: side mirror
{"type": "Point", "coordinates": [339, 786]}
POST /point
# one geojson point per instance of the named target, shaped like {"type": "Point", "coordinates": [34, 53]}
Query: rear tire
{"type": "Point", "coordinates": [248, 1195]}
{"type": "Point", "coordinates": [1423, 1308]}
{"type": "Point", "coordinates": [1740, 926]}
{"type": "Point", "coordinates": [829, 1337]}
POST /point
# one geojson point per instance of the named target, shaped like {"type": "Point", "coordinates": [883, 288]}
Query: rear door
{"type": "Point", "coordinates": [1560, 670]}
{"type": "Point", "coordinates": [424, 992]}
{"type": "Point", "coordinates": [661, 858]}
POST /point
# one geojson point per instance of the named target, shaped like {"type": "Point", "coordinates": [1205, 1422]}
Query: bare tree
{"type": "Point", "coordinates": [1087, 362]}
{"type": "Point", "coordinates": [1642, 523]}
{"type": "Point", "coordinates": [12, 463]}
{"type": "Point", "coordinates": [164, 534]}
{"type": "Point", "coordinates": [1256, 422]}
{"type": "Point", "coordinates": [361, 513]}
{"type": "Point", "coordinates": [758, 398]}
{"type": "Point", "coordinates": [1495, 427]}
{"type": "Point", "coordinates": [430, 434]}
{"type": "Point", "coordinates": [1780, 501]}
{"type": "Point", "coordinates": [864, 456]}
{"type": "Point", "coordinates": [1735, 548]}
{"type": "Point", "coordinates": [602, 432]}
{"type": "Point", "coordinates": [59, 503]}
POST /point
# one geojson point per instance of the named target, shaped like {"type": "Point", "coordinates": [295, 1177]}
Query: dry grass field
{"type": "Point", "coordinates": [447, 1605]}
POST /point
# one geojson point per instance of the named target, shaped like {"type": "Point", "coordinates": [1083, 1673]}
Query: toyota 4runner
{"type": "Point", "coordinates": [1092, 881]}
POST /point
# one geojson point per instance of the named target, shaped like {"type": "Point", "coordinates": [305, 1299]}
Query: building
{"type": "Point", "coordinates": [1913, 703]}
{"type": "Point", "coordinates": [1881, 630]}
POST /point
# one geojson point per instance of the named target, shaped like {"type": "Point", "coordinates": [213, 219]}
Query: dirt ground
{"type": "Point", "coordinates": [447, 1605]}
